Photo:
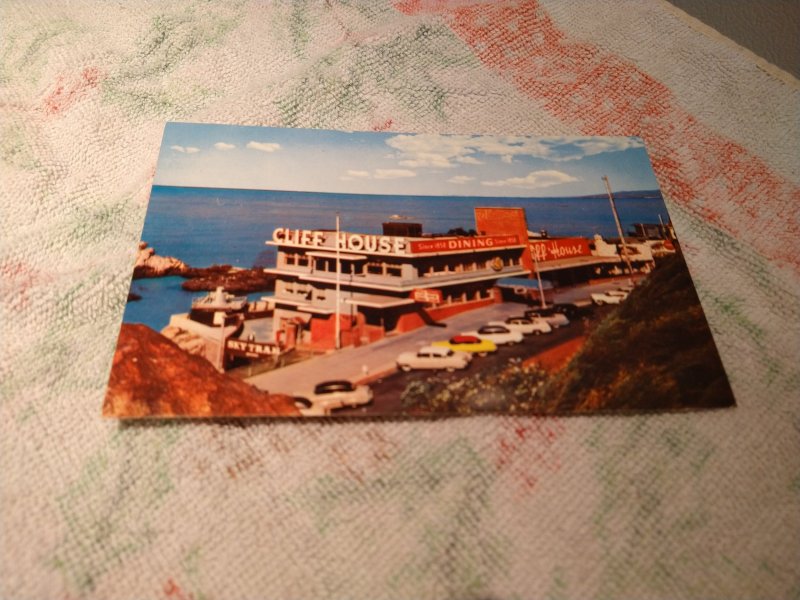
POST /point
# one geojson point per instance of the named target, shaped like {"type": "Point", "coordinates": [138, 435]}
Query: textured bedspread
{"type": "Point", "coordinates": [701, 505]}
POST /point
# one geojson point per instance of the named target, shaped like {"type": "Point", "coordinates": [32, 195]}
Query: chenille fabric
{"type": "Point", "coordinates": [681, 505]}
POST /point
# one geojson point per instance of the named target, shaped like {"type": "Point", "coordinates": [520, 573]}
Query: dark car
{"type": "Point", "coordinates": [575, 310]}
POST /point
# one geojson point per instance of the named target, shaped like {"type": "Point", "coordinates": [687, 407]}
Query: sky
{"type": "Point", "coordinates": [316, 160]}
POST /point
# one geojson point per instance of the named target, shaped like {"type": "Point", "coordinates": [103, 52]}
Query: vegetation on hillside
{"type": "Point", "coordinates": [654, 352]}
{"type": "Point", "coordinates": [512, 390]}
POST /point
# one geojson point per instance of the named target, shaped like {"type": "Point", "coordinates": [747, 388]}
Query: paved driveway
{"type": "Point", "coordinates": [379, 357]}
{"type": "Point", "coordinates": [354, 363]}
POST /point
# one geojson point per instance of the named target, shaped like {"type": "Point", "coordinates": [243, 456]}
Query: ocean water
{"type": "Point", "coordinates": [207, 226]}
{"type": "Point", "coordinates": [162, 297]}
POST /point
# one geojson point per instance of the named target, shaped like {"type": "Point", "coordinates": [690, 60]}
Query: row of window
{"type": "Point", "coordinates": [497, 263]}
{"type": "Point", "coordinates": [300, 260]}
{"type": "Point", "coordinates": [304, 290]}
{"type": "Point", "coordinates": [455, 298]}
{"type": "Point", "coordinates": [309, 292]}
{"type": "Point", "coordinates": [328, 265]}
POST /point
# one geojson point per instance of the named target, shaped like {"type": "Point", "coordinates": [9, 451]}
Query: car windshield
{"type": "Point", "coordinates": [331, 387]}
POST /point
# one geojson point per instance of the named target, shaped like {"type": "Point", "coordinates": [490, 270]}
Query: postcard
{"type": "Point", "coordinates": [312, 273]}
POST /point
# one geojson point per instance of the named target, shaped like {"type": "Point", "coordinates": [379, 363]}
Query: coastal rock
{"type": "Point", "coordinates": [152, 377]}
{"type": "Point", "coordinates": [232, 279]}
{"type": "Point", "coordinates": [149, 264]}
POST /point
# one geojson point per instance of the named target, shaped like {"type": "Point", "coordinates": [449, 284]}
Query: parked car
{"type": "Point", "coordinates": [468, 343]}
{"type": "Point", "coordinates": [499, 334]}
{"type": "Point", "coordinates": [574, 310]}
{"type": "Point", "coordinates": [601, 298]}
{"type": "Point", "coordinates": [434, 357]}
{"type": "Point", "coordinates": [525, 325]}
{"type": "Point", "coordinates": [554, 318]}
{"type": "Point", "coordinates": [330, 395]}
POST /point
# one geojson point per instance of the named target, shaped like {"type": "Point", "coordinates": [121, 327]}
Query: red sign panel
{"type": "Point", "coordinates": [463, 243]}
{"type": "Point", "coordinates": [427, 296]}
{"type": "Point", "coordinates": [547, 250]}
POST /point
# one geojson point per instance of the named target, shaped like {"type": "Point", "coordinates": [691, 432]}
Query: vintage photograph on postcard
{"type": "Point", "coordinates": [313, 273]}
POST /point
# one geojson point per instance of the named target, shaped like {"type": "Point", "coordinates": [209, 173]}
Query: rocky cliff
{"type": "Point", "coordinates": [234, 280]}
{"type": "Point", "coordinates": [149, 264]}
{"type": "Point", "coordinates": [152, 377]}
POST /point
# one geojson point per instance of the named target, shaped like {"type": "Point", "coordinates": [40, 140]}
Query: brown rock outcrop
{"type": "Point", "coordinates": [235, 281]}
{"type": "Point", "coordinates": [152, 377]}
{"type": "Point", "coordinates": [149, 264]}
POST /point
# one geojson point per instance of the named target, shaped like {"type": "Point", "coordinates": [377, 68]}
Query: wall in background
{"type": "Point", "coordinates": [770, 28]}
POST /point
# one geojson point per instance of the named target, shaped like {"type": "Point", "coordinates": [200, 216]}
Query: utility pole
{"type": "Point", "coordinates": [539, 279]}
{"type": "Point", "coordinates": [619, 229]}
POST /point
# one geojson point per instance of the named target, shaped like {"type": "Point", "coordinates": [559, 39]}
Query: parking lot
{"type": "Point", "coordinates": [376, 362]}
{"type": "Point", "coordinates": [376, 358]}
{"type": "Point", "coordinates": [388, 390]}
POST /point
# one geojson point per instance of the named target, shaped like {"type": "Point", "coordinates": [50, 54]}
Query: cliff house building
{"type": "Point", "coordinates": [389, 283]}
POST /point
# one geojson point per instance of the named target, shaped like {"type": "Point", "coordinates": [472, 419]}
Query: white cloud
{"type": "Point", "coordinates": [533, 180]}
{"type": "Point", "coordinates": [377, 174]}
{"type": "Point", "coordinates": [428, 150]}
{"type": "Point", "coordinates": [351, 175]}
{"type": "Point", "coordinates": [264, 146]}
{"type": "Point", "coordinates": [460, 179]}
{"type": "Point", "coordinates": [224, 146]}
{"type": "Point", "coordinates": [185, 149]}
{"type": "Point", "coordinates": [426, 159]}
{"type": "Point", "coordinates": [443, 151]}
{"type": "Point", "coordinates": [393, 173]}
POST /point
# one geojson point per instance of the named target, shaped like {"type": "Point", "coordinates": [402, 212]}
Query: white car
{"type": "Point", "coordinates": [611, 297]}
{"type": "Point", "coordinates": [330, 395]}
{"type": "Point", "coordinates": [554, 318]}
{"type": "Point", "coordinates": [499, 334]}
{"type": "Point", "coordinates": [434, 357]}
{"type": "Point", "coordinates": [525, 325]}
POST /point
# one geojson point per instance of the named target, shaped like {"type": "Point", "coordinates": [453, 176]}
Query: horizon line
{"type": "Point", "coordinates": [601, 193]}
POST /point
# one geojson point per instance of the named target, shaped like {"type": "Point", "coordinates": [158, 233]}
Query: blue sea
{"type": "Point", "coordinates": [207, 226]}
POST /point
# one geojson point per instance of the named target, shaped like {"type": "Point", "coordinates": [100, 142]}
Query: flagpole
{"type": "Point", "coordinates": [337, 324]}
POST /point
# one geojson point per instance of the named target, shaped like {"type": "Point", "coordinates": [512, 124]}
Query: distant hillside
{"type": "Point", "coordinates": [654, 352]}
{"type": "Point", "coordinates": [628, 194]}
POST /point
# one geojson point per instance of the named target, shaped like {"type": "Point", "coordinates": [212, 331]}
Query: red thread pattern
{"type": "Point", "coordinates": [69, 90]}
{"type": "Point", "coordinates": [599, 93]}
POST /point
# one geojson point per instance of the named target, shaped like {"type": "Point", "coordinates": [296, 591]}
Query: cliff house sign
{"type": "Point", "coordinates": [388, 245]}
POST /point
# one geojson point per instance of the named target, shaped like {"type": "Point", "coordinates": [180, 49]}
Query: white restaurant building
{"type": "Point", "coordinates": [402, 279]}
{"type": "Point", "coordinates": [386, 283]}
